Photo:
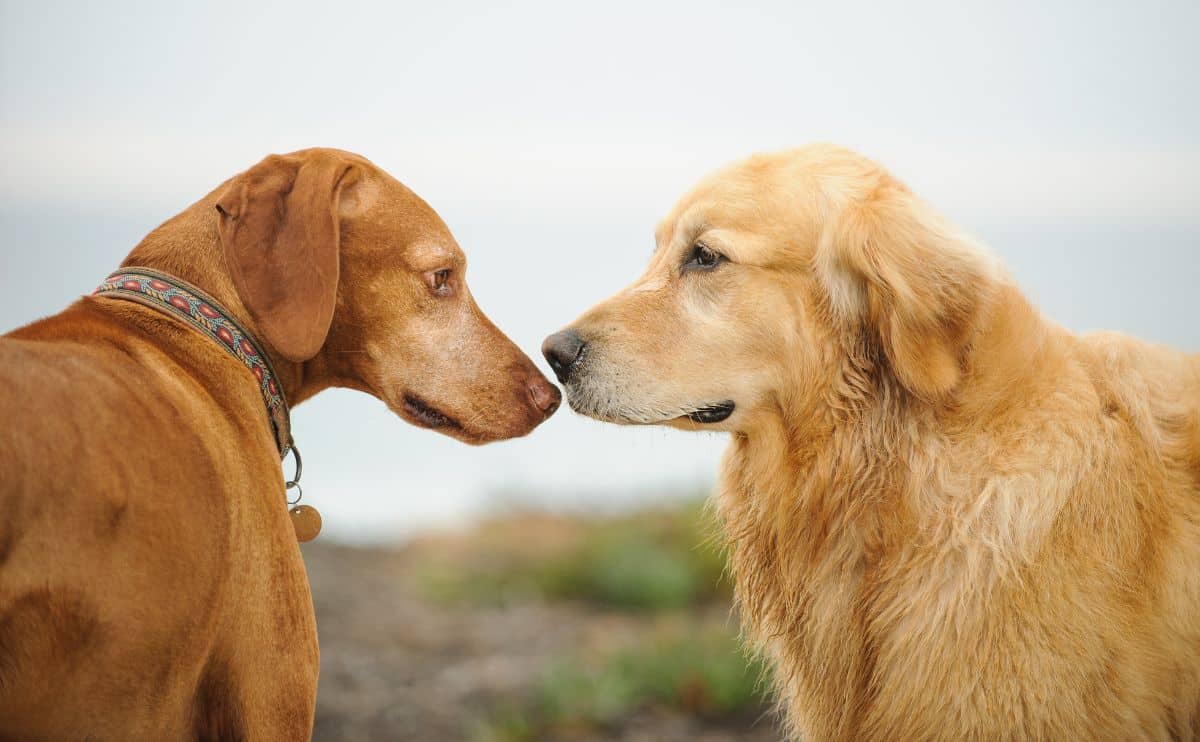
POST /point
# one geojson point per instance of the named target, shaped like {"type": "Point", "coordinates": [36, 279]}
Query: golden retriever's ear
{"type": "Point", "coordinates": [897, 270]}
{"type": "Point", "coordinates": [279, 230]}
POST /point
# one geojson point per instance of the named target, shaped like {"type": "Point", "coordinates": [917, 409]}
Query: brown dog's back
{"type": "Point", "coordinates": [116, 557]}
{"type": "Point", "coordinates": [151, 586]}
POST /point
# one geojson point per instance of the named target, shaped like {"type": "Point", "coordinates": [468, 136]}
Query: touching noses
{"type": "Point", "coordinates": [563, 351]}
{"type": "Point", "coordinates": [544, 395]}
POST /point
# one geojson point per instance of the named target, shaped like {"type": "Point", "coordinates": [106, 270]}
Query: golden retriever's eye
{"type": "Point", "coordinates": [439, 281]}
{"type": "Point", "coordinates": [703, 258]}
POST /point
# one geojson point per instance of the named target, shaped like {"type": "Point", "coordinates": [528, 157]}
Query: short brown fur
{"type": "Point", "coordinates": [151, 586]}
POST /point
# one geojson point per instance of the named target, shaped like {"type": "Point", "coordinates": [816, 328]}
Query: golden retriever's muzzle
{"type": "Point", "coordinates": [590, 394]}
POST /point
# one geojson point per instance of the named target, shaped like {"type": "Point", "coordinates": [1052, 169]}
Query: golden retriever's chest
{"type": "Point", "coordinates": [862, 658]}
{"type": "Point", "coordinates": [849, 618]}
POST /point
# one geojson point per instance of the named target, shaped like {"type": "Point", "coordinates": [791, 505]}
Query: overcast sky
{"type": "Point", "coordinates": [552, 137]}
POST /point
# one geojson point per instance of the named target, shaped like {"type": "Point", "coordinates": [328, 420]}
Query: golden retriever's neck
{"type": "Point", "coordinates": [823, 502]}
{"type": "Point", "coordinates": [809, 510]}
{"type": "Point", "coordinates": [830, 482]}
{"type": "Point", "coordinates": [812, 478]}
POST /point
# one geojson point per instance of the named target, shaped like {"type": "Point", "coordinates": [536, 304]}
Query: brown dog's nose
{"type": "Point", "coordinates": [545, 396]}
{"type": "Point", "coordinates": [562, 351]}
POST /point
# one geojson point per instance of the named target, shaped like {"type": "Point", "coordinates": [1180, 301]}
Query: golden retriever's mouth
{"type": "Point", "coordinates": [713, 413]}
{"type": "Point", "coordinates": [427, 416]}
{"type": "Point", "coordinates": [607, 407]}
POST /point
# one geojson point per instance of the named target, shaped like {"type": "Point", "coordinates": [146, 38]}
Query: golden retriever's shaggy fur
{"type": "Point", "coordinates": [948, 517]}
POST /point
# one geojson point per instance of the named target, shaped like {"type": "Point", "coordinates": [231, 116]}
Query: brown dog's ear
{"type": "Point", "coordinates": [896, 269]}
{"type": "Point", "coordinates": [279, 229]}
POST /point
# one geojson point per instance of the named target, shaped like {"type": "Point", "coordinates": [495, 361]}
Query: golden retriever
{"type": "Point", "coordinates": [948, 517]}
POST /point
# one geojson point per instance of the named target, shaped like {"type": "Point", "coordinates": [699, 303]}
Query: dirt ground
{"type": "Point", "coordinates": [397, 666]}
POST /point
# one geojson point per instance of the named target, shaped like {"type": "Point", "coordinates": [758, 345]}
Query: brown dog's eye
{"type": "Point", "coordinates": [703, 258]}
{"type": "Point", "coordinates": [439, 281]}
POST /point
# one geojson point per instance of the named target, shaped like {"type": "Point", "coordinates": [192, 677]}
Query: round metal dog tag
{"type": "Point", "coordinates": [307, 522]}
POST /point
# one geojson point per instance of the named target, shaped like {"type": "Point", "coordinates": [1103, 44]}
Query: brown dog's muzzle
{"type": "Point", "coordinates": [545, 396]}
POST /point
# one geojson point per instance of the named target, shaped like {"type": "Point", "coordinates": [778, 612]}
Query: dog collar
{"type": "Point", "coordinates": [178, 298]}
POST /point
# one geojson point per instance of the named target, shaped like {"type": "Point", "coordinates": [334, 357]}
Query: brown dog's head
{"type": "Point", "coordinates": [349, 274]}
{"type": "Point", "coordinates": [780, 283]}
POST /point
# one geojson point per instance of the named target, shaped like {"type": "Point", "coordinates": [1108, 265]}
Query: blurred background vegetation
{"type": "Point", "coordinates": [537, 627]}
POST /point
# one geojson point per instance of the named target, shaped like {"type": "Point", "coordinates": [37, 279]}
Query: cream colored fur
{"type": "Point", "coordinates": [948, 517]}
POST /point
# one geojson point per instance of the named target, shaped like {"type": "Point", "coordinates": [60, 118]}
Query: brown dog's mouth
{"type": "Point", "coordinates": [428, 416]}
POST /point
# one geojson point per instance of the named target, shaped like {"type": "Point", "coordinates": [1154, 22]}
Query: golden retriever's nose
{"type": "Point", "coordinates": [545, 396]}
{"type": "Point", "coordinates": [563, 350]}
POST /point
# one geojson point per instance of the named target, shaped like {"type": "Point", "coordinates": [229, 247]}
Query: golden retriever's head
{"type": "Point", "coordinates": [780, 282]}
{"type": "Point", "coordinates": [348, 272]}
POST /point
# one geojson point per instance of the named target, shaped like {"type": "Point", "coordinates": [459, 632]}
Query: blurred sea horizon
{"type": "Point", "coordinates": [552, 138]}
{"type": "Point", "coordinates": [378, 480]}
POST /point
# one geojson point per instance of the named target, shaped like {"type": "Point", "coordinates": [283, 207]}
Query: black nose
{"type": "Point", "coordinates": [563, 350]}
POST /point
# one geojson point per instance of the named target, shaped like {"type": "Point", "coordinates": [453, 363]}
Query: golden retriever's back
{"type": "Point", "coordinates": [1153, 392]}
{"type": "Point", "coordinates": [1156, 389]}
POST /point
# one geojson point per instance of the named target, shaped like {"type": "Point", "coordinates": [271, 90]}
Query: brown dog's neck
{"type": "Point", "coordinates": [188, 247]}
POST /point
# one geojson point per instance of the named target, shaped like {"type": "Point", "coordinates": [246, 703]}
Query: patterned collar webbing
{"type": "Point", "coordinates": [178, 298]}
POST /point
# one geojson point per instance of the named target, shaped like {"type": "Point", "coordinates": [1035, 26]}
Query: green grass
{"type": "Point", "coordinates": [663, 570]}
{"type": "Point", "coordinates": [655, 561]}
{"type": "Point", "coordinates": [651, 562]}
{"type": "Point", "coordinates": [703, 674]}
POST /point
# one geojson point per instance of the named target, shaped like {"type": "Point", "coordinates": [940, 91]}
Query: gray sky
{"type": "Point", "coordinates": [552, 137]}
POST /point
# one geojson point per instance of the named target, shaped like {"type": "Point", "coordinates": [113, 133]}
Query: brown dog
{"type": "Point", "coordinates": [150, 582]}
{"type": "Point", "coordinates": [949, 518]}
